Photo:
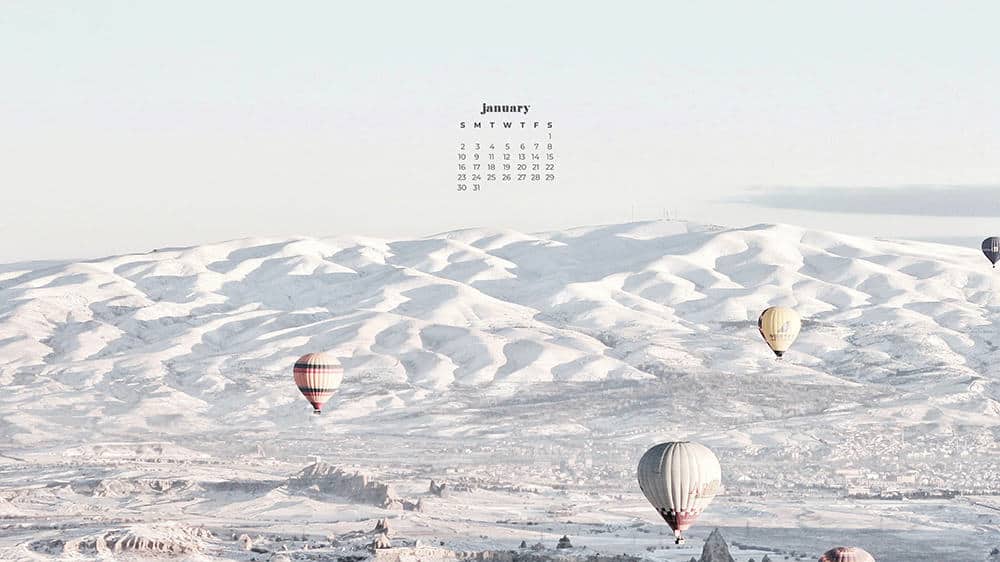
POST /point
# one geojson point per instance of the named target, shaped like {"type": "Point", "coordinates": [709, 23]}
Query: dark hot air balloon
{"type": "Point", "coordinates": [991, 247]}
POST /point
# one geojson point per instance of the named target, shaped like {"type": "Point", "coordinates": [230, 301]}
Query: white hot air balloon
{"type": "Point", "coordinates": [679, 479]}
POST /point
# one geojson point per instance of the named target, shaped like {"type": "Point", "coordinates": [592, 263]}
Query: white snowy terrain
{"type": "Point", "coordinates": [147, 404]}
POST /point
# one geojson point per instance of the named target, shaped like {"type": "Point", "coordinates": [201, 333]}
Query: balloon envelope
{"type": "Point", "coordinates": [679, 479]}
{"type": "Point", "coordinates": [779, 326]}
{"type": "Point", "coordinates": [991, 247]}
{"type": "Point", "coordinates": [318, 376]}
{"type": "Point", "coordinates": [846, 554]}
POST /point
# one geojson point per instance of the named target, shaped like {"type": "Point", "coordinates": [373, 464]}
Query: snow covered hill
{"type": "Point", "coordinates": [515, 361]}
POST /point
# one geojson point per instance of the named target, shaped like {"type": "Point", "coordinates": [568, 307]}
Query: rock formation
{"type": "Point", "coordinates": [715, 549]}
{"type": "Point", "coordinates": [440, 490]}
{"type": "Point", "coordinates": [353, 486]}
{"type": "Point", "coordinates": [382, 527]}
{"type": "Point", "coordinates": [381, 542]}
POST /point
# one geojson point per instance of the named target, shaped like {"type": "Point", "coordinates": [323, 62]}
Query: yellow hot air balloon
{"type": "Point", "coordinates": [779, 326]}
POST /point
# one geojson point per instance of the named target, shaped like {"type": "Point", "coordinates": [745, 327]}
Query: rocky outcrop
{"type": "Point", "coordinates": [353, 486]}
{"type": "Point", "coordinates": [124, 487]}
{"type": "Point", "coordinates": [417, 553]}
{"type": "Point", "coordinates": [439, 490]}
{"type": "Point", "coordinates": [382, 528]}
{"type": "Point", "coordinates": [156, 541]}
{"type": "Point", "coordinates": [381, 542]}
{"type": "Point", "coordinates": [144, 540]}
{"type": "Point", "coordinates": [715, 549]}
{"type": "Point", "coordinates": [436, 554]}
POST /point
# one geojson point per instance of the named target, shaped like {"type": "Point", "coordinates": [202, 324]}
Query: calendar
{"type": "Point", "coordinates": [504, 145]}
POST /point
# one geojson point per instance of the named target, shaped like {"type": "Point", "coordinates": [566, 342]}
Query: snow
{"type": "Point", "coordinates": [150, 396]}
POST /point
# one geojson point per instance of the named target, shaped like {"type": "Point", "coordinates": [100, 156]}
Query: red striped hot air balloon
{"type": "Point", "coordinates": [846, 554]}
{"type": "Point", "coordinates": [318, 376]}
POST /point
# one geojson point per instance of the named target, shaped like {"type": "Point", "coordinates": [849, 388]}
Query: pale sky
{"type": "Point", "coordinates": [126, 126]}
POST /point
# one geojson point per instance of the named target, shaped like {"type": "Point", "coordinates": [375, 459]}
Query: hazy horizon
{"type": "Point", "coordinates": [129, 127]}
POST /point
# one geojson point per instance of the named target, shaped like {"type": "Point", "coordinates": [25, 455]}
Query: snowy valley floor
{"type": "Point", "coordinates": [167, 495]}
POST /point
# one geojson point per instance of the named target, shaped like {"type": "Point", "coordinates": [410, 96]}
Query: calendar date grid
{"type": "Point", "coordinates": [482, 162]}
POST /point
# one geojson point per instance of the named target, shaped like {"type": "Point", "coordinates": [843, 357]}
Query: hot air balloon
{"type": "Point", "coordinates": [317, 375]}
{"type": "Point", "coordinates": [679, 479]}
{"type": "Point", "coordinates": [991, 247]}
{"type": "Point", "coordinates": [846, 554]}
{"type": "Point", "coordinates": [779, 327]}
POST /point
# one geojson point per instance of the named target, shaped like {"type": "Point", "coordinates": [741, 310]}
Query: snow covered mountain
{"type": "Point", "coordinates": [515, 364]}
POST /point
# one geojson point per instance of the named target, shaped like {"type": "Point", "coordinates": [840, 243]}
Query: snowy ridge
{"type": "Point", "coordinates": [477, 308]}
